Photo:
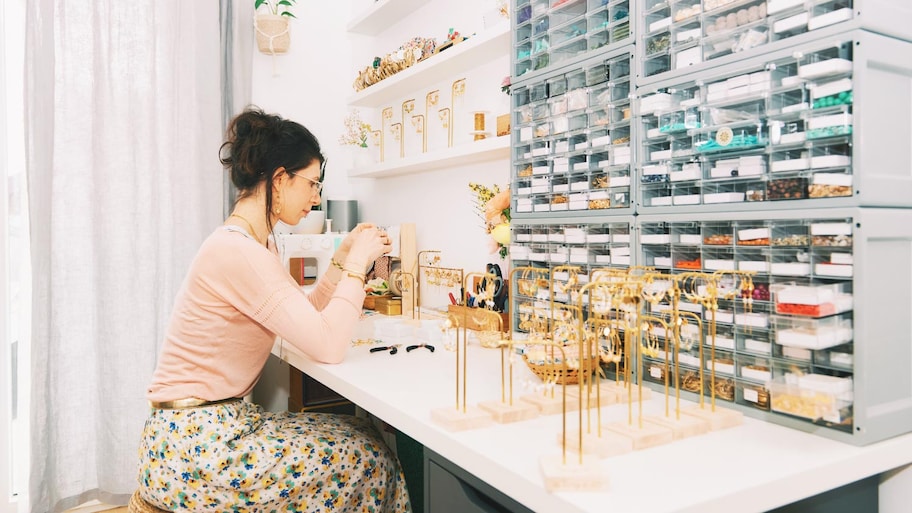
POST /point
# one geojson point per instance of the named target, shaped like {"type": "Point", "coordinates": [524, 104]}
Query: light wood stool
{"type": "Point", "coordinates": [139, 505]}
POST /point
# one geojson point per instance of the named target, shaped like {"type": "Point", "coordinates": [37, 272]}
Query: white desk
{"type": "Point", "coordinates": [756, 466]}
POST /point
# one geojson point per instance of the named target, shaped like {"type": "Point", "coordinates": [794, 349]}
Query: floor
{"type": "Point", "coordinates": [95, 506]}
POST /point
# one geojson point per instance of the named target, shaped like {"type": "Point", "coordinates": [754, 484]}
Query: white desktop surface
{"type": "Point", "coordinates": [753, 467]}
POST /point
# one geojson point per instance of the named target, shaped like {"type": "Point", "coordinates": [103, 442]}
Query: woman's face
{"type": "Point", "coordinates": [300, 193]}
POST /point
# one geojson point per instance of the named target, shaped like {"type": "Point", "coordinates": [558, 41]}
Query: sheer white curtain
{"type": "Point", "coordinates": [124, 124]}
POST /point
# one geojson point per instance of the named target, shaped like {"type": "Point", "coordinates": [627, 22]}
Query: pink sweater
{"type": "Point", "coordinates": [235, 300]}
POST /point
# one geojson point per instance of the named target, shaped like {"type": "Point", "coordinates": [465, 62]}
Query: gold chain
{"type": "Point", "coordinates": [249, 225]}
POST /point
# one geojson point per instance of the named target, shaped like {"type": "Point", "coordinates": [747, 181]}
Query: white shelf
{"type": "Point", "coordinates": [468, 153]}
{"type": "Point", "coordinates": [449, 64]}
{"type": "Point", "coordinates": [381, 15]}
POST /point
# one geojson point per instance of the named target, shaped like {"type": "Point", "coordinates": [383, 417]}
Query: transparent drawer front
{"type": "Point", "coordinates": [817, 300]}
{"type": "Point", "coordinates": [753, 394]}
{"type": "Point", "coordinates": [783, 131]}
{"type": "Point", "coordinates": [682, 33]}
{"type": "Point", "coordinates": [813, 333]}
{"type": "Point", "coordinates": [813, 396]}
{"type": "Point", "coordinates": [549, 32]}
{"type": "Point", "coordinates": [754, 368]}
{"type": "Point", "coordinates": [571, 131]}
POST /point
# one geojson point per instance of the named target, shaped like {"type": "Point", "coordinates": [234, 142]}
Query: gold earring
{"type": "Point", "coordinates": [276, 208]}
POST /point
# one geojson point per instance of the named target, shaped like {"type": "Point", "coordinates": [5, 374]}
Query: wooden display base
{"type": "Point", "coordinates": [650, 435]}
{"type": "Point", "coordinates": [573, 476]}
{"type": "Point", "coordinates": [504, 413]}
{"type": "Point", "coordinates": [682, 427]}
{"type": "Point", "coordinates": [605, 446]}
{"type": "Point", "coordinates": [548, 405]}
{"type": "Point", "coordinates": [607, 394]}
{"type": "Point", "coordinates": [722, 418]}
{"type": "Point", "coordinates": [457, 420]}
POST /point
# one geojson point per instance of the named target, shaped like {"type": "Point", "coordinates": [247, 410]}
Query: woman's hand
{"type": "Point", "coordinates": [368, 243]}
{"type": "Point", "coordinates": [346, 244]}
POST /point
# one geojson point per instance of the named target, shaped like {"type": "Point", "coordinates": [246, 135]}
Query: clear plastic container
{"type": "Point", "coordinates": [817, 300]}
{"type": "Point", "coordinates": [811, 333]}
{"type": "Point", "coordinates": [752, 394]}
{"type": "Point", "coordinates": [730, 138]}
{"type": "Point", "coordinates": [812, 396]}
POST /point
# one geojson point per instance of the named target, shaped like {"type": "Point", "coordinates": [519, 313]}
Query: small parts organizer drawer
{"type": "Point", "coordinates": [684, 33]}
{"type": "Point", "coordinates": [572, 139]}
{"type": "Point", "coordinates": [551, 32]}
{"type": "Point", "coordinates": [790, 348]}
{"type": "Point", "coordinates": [600, 245]}
{"type": "Point", "coordinates": [782, 130]}
{"type": "Point", "coordinates": [781, 248]}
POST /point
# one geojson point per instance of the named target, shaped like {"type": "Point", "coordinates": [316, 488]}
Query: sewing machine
{"type": "Point", "coordinates": [307, 256]}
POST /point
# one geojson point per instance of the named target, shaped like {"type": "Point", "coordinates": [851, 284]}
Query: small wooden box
{"type": "Point", "coordinates": [503, 125]}
{"type": "Point", "coordinates": [388, 305]}
{"type": "Point", "coordinates": [470, 321]}
{"type": "Point", "coordinates": [370, 301]}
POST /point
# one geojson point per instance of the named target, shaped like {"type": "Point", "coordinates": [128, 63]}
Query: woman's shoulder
{"type": "Point", "coordinates": [228, 244]}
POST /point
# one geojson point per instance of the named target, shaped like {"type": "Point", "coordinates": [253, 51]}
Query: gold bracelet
{"type": "Point", "coordinates": [358, 276]}
{"type": "Point", "coordinates": [335, 263]}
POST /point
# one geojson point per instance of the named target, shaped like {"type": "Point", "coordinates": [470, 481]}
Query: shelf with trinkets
{"type": "Point", "coordinates": [472, 152]}
{"type": "Point", "coordinates": [493, 43]}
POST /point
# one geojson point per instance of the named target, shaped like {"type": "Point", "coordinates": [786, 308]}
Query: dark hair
{"type": "Point", "coordinates": [256, 144]}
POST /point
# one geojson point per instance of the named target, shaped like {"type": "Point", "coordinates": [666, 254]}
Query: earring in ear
{"type": "Point", "coordinates": [277, 208]}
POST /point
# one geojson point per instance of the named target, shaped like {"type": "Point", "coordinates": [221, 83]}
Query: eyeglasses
{"type": "Point", "coordinates": [318, 186]}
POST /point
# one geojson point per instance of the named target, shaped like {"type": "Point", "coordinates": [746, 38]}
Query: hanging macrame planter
{"type": "Point", "coordinates": [272, 33]}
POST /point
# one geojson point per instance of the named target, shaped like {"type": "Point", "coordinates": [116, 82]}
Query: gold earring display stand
{"type": "Point", "coordinates": [658, 289]}
{"type": "Point", "coordinates": [636, 329]}
{"type": "Point", "coordinates": [583, 472]}
{"type": "Point", "coordinates": [430, 100]}
{"type": "Point", "coordinates": [386, 117]}
{"type": "Point", "coordinates": [458, 91]}
{"type": "Point", "coordinates": [405, 282]}
{"type": "Point", "coordinates": [407, 107]}
{"type": "Point", "coordinates": [491, 335]}
{"type": "Point", "coordinates": [532, 286]}
{"type": "Point", "coordinates": [595, 393]}
{"type": "Point", "coordinates": [707, 289]}
{"type": "Point", "coordinates": [461, 417]}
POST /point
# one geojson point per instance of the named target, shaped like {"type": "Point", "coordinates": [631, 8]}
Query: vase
{"type": "Point", "coordinates": [272, 33]}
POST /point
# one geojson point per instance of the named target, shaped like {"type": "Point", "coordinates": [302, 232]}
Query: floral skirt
{"type": "Point", "coordinates": [236, 457]}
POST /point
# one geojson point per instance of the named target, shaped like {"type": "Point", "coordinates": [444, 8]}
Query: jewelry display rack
{"type": "Point", "coordinates": [732, 149]}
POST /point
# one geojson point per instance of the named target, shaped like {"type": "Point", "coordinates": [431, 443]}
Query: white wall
{"type": "Point", "coordinates": [314, 80]}
{"type": "Point", "coordinates": [311, 84]}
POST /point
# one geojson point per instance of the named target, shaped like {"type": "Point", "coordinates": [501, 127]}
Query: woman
{"type": "Point", "coordinates": [203, 448]}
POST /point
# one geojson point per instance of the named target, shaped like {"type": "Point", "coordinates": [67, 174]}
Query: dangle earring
{"type": "Point", "coordinates": [276, 208]}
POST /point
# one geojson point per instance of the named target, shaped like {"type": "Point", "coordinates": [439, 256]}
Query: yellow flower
{"type": "Point", "coordinates": [501, 233]}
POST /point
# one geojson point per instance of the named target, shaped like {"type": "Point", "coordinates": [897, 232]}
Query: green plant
{"type": "Point", "coordinates": [282, 7]}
